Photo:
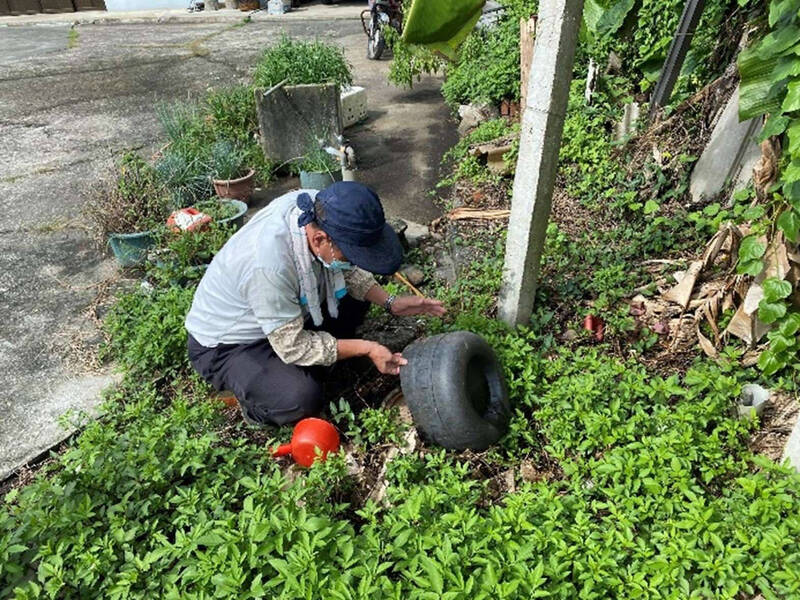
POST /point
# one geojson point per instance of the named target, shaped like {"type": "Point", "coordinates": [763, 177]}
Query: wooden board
{"type": "Point", "coordinates": [527, 35]}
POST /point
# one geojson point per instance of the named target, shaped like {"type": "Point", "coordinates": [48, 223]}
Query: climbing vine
{"type": "Point", "coordinates": [770, 73]}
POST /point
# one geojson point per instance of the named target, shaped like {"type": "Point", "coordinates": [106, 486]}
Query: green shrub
{"type": "Point", "coordinates": [658, 499]}
{"type": "Point", "coordinates": [409, 61]}
{"type": "Point", "coordinates": [317, 160]}
{"type": "Point", "coordinates": [129, 198]}
{"type": "Point", "coordinates": [146, 333]}
{"type": "Point", "coordinates": [487, 68]}
{"type": "Point", "coordinates": [769, 87]}
{"type": "Point", "coordinates": [640, 33]}
{"type": "Point", "coordinates": [182, 257]}
{"type": "Point", "coordinates": [300, 62]}
{"type": "Point", "coordinates": [227, 161]}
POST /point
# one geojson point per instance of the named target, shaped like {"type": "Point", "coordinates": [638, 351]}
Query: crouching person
{"type": "Point", "coordinates": [283, 298]}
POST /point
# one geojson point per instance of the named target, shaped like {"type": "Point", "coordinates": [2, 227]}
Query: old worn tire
{"type": "Point", "coordinates": [455, 389]}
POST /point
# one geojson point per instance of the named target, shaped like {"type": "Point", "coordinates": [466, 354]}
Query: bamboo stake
{"type": "Point", "coordinates": [408, 284]}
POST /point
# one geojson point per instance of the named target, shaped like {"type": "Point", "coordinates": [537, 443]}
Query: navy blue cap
{"type": "Point", "coordinates": [352, 215]}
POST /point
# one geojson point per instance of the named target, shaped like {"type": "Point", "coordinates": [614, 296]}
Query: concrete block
{"type": "Point", "coordinates": [730, 155]}
{"type": "Point", "coordinates": [416, 233]}
{"type": "Point", "coordinates": [291, 118]}
{"type": "Point", "coordinates": [354, 105]}
{"type": "Point", "coordinates": [278, 7]}
{"type": "Point", "coordinates": [472, 115]}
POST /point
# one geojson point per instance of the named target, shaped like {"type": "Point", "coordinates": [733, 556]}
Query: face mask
{"type": "Point", "coordinates": [335, 264]}
{"type": "Point", "coordinates": [340, 265]}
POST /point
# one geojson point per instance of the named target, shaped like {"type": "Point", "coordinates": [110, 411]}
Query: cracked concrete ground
{"type": "Point", "coordinates": [67, 112]}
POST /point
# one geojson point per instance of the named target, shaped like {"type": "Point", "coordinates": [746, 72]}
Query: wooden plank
{"type": "Point", "coordinates": [527, 35]}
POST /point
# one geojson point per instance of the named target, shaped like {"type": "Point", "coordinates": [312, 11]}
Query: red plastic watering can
{"type": "Point", "coordinates": [308, 435]}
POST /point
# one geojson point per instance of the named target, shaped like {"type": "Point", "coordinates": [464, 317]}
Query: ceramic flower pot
{"type": "Point", "coordinates": [238, 189]}
{"type": "Point", "coordinates": [236, 220]}
{"type": "Point", "coordinates": [130, 249]}
{"type": "Point", "coordinates": [318, 180]}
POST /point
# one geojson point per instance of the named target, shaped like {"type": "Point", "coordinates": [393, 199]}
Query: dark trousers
{"type": "Point", "coordinates": [269, 390]}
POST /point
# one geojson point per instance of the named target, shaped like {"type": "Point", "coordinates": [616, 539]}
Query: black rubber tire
{"type": "Point", "coordinates": [375, 48]}
{"type": "Point", "coordinates": [454, 386]}
{"type": "Point", "coordinates": [328, 1]}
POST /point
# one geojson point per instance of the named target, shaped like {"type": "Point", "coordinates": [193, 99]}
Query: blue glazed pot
{"type": "Point", "coordinates": [130, 249]}
{"type": "Point", "coordinates": [315, 180]}
{"type": "Point", "coordinates": [238, 219]}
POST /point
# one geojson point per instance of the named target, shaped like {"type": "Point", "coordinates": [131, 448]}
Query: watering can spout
{"type": "Point", "coordinates": [311, 439]}
{"type": "Point", "coordinates": [282, 450]}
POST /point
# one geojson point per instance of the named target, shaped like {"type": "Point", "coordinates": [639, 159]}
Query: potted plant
{"type": "Point", "coordinates": [224, 211]}
{"type": "Point", "coordinates": [184, 176]}
{"type": "Point", "coordinates": [182, 258]}
{"type": "Point", "coordinates": [231, 177]}
{"type": "Point", "coordinates": [318, 169]}
{"type": "Point", "coordinates": [128, 207]}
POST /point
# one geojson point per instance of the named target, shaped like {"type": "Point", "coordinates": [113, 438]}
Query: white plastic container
{"type": "Point", "coordinates": [278, 7]}
{"type": "Point", "coordinates": [354, 105]}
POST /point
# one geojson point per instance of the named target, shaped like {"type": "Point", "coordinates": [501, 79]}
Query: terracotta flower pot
{"type": "Point", "coordinates": [239, 189]}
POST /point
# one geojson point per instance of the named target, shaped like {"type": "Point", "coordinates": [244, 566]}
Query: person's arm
{"type": "Point", "coordinates": [406, 306]}
{"type": "Point", "coordinates": [359, 282]}
{"type": "Point", "coordinates": [386, 361]}
{"type": "Point", "coordinates": [295, 345]}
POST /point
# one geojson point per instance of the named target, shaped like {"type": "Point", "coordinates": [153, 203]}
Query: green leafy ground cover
{"type": "Point", "coordinates": [639, 483]}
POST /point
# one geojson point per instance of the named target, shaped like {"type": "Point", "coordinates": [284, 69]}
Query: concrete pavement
{"type": "Point", "coordinates": [346, 11]}
{"type": "Point", "coordinates": [69, 107]}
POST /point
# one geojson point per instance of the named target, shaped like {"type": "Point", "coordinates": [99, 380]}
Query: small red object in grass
{"type": "Point", "coordinates": [187, 219]}
{"type": "Point", "coordinates": [661, 328]}
{"type": "Point", "coordinates": [230, 401]}
{"type": "Point", "coordinates": [311, 438]}
{"type": "Point", "coordinates": [595, 325]}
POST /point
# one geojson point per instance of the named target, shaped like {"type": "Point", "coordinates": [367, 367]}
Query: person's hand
{"type": "Point", "coordinates": [386, 361]}
{"type": "Point", "coordinates": [408, 306]}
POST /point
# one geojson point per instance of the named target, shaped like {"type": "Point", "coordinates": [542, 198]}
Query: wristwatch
{"type": "Point", "coordinates": [388, 303]}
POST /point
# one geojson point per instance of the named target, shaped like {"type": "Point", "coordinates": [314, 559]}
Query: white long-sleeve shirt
{"type": "Point", "coordinates": [251, 290]}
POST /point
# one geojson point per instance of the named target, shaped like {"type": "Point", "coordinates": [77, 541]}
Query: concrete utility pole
{"type": "Point", "coordinates": [542, 126]}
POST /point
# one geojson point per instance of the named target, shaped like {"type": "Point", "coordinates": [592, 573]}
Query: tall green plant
{"type": "Point", "coordinates": [299, 62]}
{"type": "Point", "coordinates": [146, 333]}
{"type": "Point", "coordinates": [185, 175]}
{"type": "Point", "coordinates": [225, 115]}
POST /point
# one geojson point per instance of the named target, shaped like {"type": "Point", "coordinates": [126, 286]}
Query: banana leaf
{"type": "Point", "coordinates": [758, 93]}
{"type": "Point", "coordinates": [441, 25]}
